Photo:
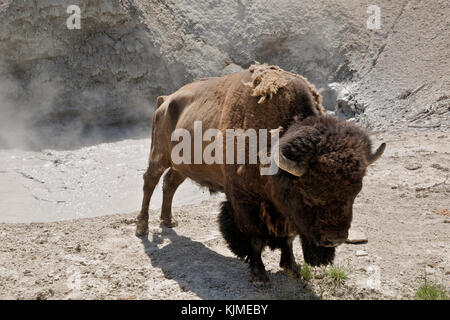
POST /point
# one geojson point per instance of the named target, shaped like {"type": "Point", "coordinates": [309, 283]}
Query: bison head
{"type": "Point", "coordinates": [323, 161]}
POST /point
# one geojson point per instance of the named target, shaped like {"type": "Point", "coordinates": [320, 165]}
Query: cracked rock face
{"type": "Point", "coordinates": [70, 80]}
{"type": "Point", "coordinates": [57, 81]}
{"type": "Point", "coordinates": [127, 53]}
{"type": "Point", "coordinates": [346, 105]}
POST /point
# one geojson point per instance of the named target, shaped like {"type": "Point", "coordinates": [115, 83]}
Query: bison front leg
{"type": "Point", "coordinates": [287, 261]}
{"type": "Point", "coordinates": [258, 272]}
{"type": "Point", "coordinates": [172, 180]}
{"type": "Point", "coordinates": [245, 244]}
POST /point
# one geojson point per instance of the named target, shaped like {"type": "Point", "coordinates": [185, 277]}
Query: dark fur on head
{"type": "Point", "coordinates": [316, 204]}
{"type": "Point", "coordinates": [335, 154]}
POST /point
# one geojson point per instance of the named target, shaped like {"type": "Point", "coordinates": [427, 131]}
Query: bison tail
{"type": "Point", "coordinates": [237, 241]}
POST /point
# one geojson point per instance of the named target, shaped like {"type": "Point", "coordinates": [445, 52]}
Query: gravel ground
{"type": "Point", "coordinates": [403, 209]}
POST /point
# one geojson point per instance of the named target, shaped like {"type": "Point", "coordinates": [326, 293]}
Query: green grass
{"type": "Point", "coordinates": [337, 274]}
{"type": "Point", "coordinates": [431, 291]}
{"type": "Point", "coordinates": [306, 272]}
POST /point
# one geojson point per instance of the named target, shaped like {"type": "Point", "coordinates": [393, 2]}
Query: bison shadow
{"type": "Point", "coordinates": [210, 275]}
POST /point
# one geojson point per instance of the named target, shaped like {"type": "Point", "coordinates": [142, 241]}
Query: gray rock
{"type": "Point", "coordinates": [361, 253]}
{"type": "Point", "coordinates": [429, 270]}
{"type": "Point", "coordinates": [447, 270]}
{"type": "Point", "coordinates": [319, 274]}
{"type": "Point", "coordinates": [347, 107]}
{"type": "Point", "coordinates": [413, 166]}
{"type": "Point", "coordinates": [356, 236]}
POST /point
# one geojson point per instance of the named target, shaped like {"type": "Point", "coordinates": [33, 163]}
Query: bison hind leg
{"type": "Point", "coordinates": [171, 181]}
{"type": "Point", "coordinates": [237, 241]}
{"type": "Point", "coordinates": [316, 255]}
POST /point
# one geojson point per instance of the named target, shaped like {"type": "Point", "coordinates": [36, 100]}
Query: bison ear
{"type": "Point", "coordinates": [375, 156]}
{"type": "Point", "coordinates": [160, 100]}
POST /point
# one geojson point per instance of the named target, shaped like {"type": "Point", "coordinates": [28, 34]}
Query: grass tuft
{"type": "Point", "coordinates": [306, 272]}
{"type": "Point", "coordinates": [337, 274]}
{"type": "Point", "coordinates": [431, 291]}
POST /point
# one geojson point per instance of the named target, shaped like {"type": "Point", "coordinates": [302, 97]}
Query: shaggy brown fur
{"type": "Point", "coordinates": [220, 103]}
{"type": "Point", "coordinates": [317, 205]}
{"type": "Point", "coordinates": [267, 80]}
{"type": "Point", "coordinates": [335, 153]}
{"type": "Point", "coordinates": [264, 210]}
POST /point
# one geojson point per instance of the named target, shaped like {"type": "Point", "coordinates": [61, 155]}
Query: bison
{"type": "Point", "coordinates": [322, 162]}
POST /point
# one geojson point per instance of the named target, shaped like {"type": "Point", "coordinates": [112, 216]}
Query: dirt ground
{"type": "Point", "coordinates": [404, 210]}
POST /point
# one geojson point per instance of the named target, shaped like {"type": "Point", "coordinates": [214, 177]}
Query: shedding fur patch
{"type": "Point", "coordinates": [276, 224]}
{"type": "Point", "coordinates": [268, 80]}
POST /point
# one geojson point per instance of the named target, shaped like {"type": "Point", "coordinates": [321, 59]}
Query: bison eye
{"type": "Point", "coordinates": [358, 186]}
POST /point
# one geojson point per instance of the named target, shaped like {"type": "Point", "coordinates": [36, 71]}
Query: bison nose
{"type": "Point", "coordinates": [337, 241]}
{"type": "Point", "coordinates": [334, 239]}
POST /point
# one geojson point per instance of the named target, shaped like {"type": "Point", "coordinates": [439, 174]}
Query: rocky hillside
{"type": "Point", "coordinates": [108, 73]}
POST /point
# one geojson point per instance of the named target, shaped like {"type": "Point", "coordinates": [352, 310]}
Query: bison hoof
{"type": "Point", "coordinates": [292, 269]}
{"type": "Point", "coordinates": [259, 279]}
{"type": "Point", "coordinates": [141, 229]}
{"type": "Point", "coordinates": [261, 282]}
{"type": "Point", "coordinates": [169, 223]}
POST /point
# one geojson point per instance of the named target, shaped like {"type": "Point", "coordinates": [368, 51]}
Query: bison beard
{"type": "Point", "coordinates": [240, 244]}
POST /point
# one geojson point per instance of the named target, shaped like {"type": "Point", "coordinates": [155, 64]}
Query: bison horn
{"type": "Point", "coordinates": [374, 157]}
{"type": "Point", "coordinates": [288, 165]}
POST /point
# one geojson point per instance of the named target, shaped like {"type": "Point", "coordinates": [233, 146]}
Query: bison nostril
{"type": "Point", "coordinates": [337, 241]}
{"type": "Point", "coordinates": [333, 239]}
